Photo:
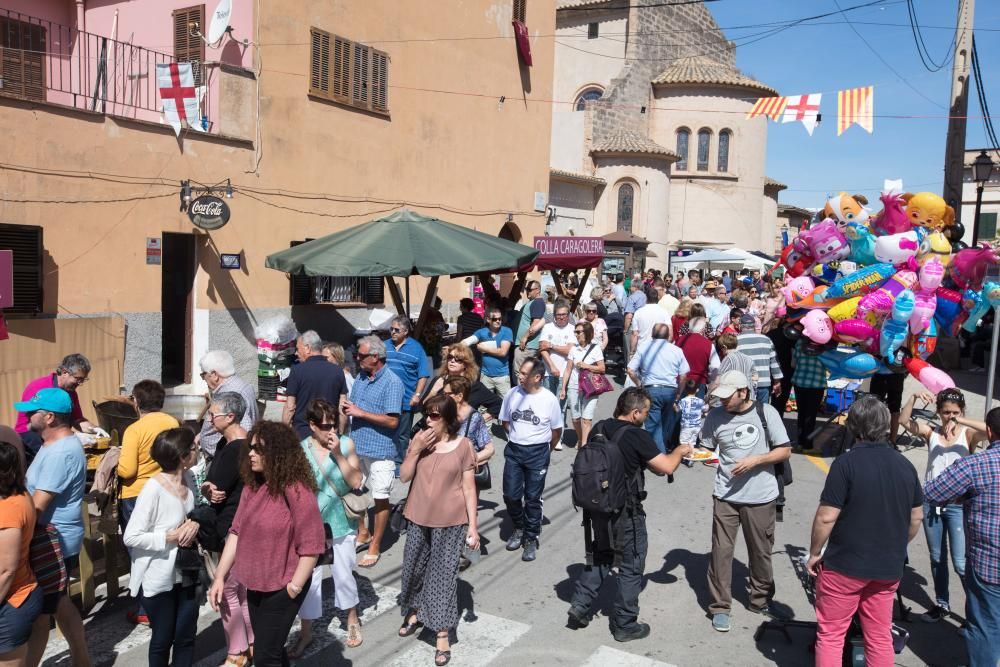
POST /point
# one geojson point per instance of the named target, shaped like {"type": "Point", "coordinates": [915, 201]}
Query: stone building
{"type": "Point", "coordinates": [653, 138]}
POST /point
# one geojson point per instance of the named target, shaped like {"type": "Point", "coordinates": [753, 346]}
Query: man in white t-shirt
{"type": "Point", "coordinates": [648, 317]}
{"type": "Point", "coordinates": [533, 420]}
{"type": "Point", "coordinates": [555, 342]}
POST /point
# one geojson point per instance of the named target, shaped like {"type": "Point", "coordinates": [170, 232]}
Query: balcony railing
{"type": "Point", "coordinates": [44, 61]}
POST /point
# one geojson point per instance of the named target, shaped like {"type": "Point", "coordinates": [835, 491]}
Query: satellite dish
{"type": "Point", "coordinates": [220, 21]}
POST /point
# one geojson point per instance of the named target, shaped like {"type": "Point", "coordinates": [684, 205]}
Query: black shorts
{"type": "Point", "coordinates": [51, 600]}
{"type": "Point", "coordinates": [889, 388]}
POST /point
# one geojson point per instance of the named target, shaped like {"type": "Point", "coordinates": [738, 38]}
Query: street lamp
{"type": "Point", "coordinates": [982, 168]}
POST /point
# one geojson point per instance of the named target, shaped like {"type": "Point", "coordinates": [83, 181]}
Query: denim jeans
{"type": "Point", "coordinates": [982, 606]}
{"type": "Point", "coordinates": [629, 580]}
{"type": "Point", "coordinates": [553, 383]}
{"type": "Point", "coordinates": [764, 394]}
{"type": "Point", "coordinates": [524, 470]}
{"type": "Point", "coordinates": [662, 416]}
{"type": "Point", "coordinates": [173, 619]}
{"type": "Point", "coordinates": [403, 434]}
{"type": "Point", "coordinates": [946, 527]}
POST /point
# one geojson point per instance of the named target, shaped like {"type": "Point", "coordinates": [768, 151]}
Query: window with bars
{"type": "Point", "coordinates": [520, 10]}
{"type": "Point", "coordinates": [22, 59]}
{"type": "Point", "coordinates": [725, 138]}
{"type": "Point", "coordinates": [26, 243]}
{"type": "Point", "coordinates": [593, 30]}
{"type": "Point", "coordinates": [189, 47]}
{"type": "Point", "coordinates": [626, 199]}
{"type": "Point", "coordinates": [348, 72]}
{"type": "Point", "coordinates": [683, 138]}
{"type": "Point", "coordinates": [347, 290]}
{"type": "Point", "coordinates": [704, 145]}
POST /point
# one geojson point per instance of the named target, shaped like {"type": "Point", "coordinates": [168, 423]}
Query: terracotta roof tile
{"type": "Point", "coordinates": [771, 183]}
{"type": "Point", "coordinates": [626, 141]}
{"type": "Point", "coordinates": [564, 4]}
{"type": "Point", "coordinates": [576, 177]}
{"type": "Point", "coordinates": [704, 70]}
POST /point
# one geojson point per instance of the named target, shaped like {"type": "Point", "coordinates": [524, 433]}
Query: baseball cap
{"type": "Point", "coordinates": [50, 399]}
{"type": "Point", "coordinates": [729, 383]}
{"type": "Point", "coordinates": [747, 321]}
{"type": "Point", "coordinates": [711, 284]}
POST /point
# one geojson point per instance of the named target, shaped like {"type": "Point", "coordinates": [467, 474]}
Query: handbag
{"type": "Point", "coordinates": [325, 558]}
{"type": "Point", "coordinates": [46, 560]}
{"type": "Point", "coordinates": [397, 520]}
{"type": "Point", "coordinates": [356, 501]}
{"type": "Point", "coordinates": [484, 480]}
{"type": "Point", "coordinates": [591, 383]}
{"type": "Point", "coordinates": [208, 535]}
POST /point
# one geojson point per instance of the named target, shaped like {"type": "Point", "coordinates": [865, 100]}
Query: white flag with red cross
{"type": "Point", "coordinates": [178, 95]}
{"type": "Point", "coordinates": [804, 108]}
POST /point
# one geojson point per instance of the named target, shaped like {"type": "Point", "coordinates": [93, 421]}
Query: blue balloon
{"type": "Point", "coordinates": [862, 243]}
{"type": "Point", "coordinates": [845, 362]}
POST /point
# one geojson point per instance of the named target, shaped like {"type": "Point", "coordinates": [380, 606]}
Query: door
{"type": "Point", "coordinates": [177, 306]}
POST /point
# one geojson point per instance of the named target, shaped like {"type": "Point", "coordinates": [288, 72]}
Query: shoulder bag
{"type": "Point", "coordinates": [591, 383]}
{"type": "Point", "coordinates": [783, 470]}
{"type": "Point", "coordinates": [356, 501]}
{"type": "Point", "coordinates": [484, 480]}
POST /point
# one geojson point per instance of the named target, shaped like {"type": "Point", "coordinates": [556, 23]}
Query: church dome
{"type": "Point", "coordinates": [702, 70]}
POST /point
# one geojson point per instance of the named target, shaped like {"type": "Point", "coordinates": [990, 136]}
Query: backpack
{"type": "Point", "coordinates": [783, 470]}
{"type": "Point", "coordinates": [599, 483]}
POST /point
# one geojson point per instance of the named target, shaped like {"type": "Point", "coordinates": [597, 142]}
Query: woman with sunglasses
{"type": "Point", "coordinates": [956, 437]}
{"type": "Point", "coordinates": [774, 307]}
{"type": "Point", "coordinates": [275, 539]}
{"type": "Point", "coordinates": [588, 356]}
{"type": "Point", "coordinates": [157, 527]}
{"type": "Point", "coordinates": [337, 471]}
{"type": "Point", "coordinates": [473, 426]}
{"type": "Point", "coordinates": [441, 508]}
{"type": "Point", "coordinates": [458, 360]}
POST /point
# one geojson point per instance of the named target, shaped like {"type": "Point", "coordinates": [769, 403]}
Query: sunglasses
{"type": "Point", "coordinates": [257, 447]}
{"type": "Point", "coordinates": [325, 427]}
{"type": "Point", "coordinates": [433, 415]}
{"type": "Point", "coordinates": [496, 319]}
{"type": "Point", "coordinates": [458, 360]}
{"type": "Point", "coordinates": [561, 315]}
{"type": "Point", "coordinates": [360, 357]}
{"type": "Point", "coordinates": [397, 329]}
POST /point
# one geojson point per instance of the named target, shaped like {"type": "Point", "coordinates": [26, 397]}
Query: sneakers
{"type": "Point", "coordinates": [720, 622]}
{"type": "Point", "coordinates": [558, 447]}
{"type": "Point", "coordinates": [769, 611]}
{"type": "Point", "coordinates": [577, 619]}
{"type": "Point", "coordinates": [530, 550]}
{"type": "Point", "coordinates": [514, 542]}
{"type": "Point", "coordinates": [137, 619]}
{"type": "Point", "coordinates": [934, 614]}
{"type": "Point", "coordinates": [638, 631]}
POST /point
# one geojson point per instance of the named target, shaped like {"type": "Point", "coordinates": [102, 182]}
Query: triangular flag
{"type": "Point", "coordinates": [856, 105]}
{"type": "Point", "coordinates": [772, 107]}
{"type": "Point", "coordinates": [804, 108]}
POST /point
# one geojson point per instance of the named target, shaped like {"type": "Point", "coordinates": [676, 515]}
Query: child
{"type": "Point", "coordinates": [692, 411]}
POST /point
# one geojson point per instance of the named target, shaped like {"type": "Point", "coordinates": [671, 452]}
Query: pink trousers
{"type": "Point", "coordinates": [838, 598]}
{"type": "Point", "coordinates": [236, 617]}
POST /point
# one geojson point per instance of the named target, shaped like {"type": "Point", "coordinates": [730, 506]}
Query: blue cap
{"type": "Point", "coordinates": [50, 399]}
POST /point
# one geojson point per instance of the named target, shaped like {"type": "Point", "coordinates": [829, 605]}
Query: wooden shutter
{"type": "Point", "coordinates": [300, 288]}
{"type": "Point", "coordinates": [342, 68]}
{"type": "Point", "coordinates": [359, 76]}
{"type": "Point", "coordinates": [319, 63]}
{"type": "Point", "coordinates": [520, 10]}
{"type": "Point", "coordinates": [26, 242]}
{"type": "Point", "coordinates": [373, 291]}
{"type": "Point", "coordinates": [380, 81]}
{"type": "Point", "coordinates": [187, 47]}
{"type": "Point", "coordinates": [22, 59]}
{"type": "Point", "coordinates": [348, 72]}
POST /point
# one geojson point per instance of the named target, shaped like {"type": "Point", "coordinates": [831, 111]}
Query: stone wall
{"type": "Point", "coordinates": [657, 36]}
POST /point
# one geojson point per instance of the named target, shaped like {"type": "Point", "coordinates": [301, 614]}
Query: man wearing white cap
{"type": "Point", "coordinates": [750, 439]}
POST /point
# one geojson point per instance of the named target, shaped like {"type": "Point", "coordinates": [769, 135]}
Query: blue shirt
{"type": "Point", "coordinates": [61, 469]}
{"type": "Point", "coordinates": [659, 362]}
{"type": "Point", "coordinates": [380, 394]}
{"type": "Point", "coordinates": [313, 378]}
{"type": "Point", "coordinates": [635, 301]}
{"type": "Point", "coordinates": [494, 366]}
{"type": "Point", "coordinates": [409, 363]}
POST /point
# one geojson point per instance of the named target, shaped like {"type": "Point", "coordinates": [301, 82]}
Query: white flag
{"type": "Point", "coordinates": [804, 108]}
{"type": "Point", "coordinates": [178, 95]}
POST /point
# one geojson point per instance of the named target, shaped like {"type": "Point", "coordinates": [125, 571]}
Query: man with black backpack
{"type": "Point", "coordinates": [608, 485]}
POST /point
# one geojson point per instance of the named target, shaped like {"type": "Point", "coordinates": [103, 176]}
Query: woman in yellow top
{"type": "Point", "coordinates": [135, 463]}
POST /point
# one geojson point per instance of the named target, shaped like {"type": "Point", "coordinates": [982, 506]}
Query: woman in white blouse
{"type": "Point", "coordinates": [157, 527]}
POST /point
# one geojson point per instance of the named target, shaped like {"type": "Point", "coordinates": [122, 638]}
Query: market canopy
{"type": "Point", "coordinates": [731, 257]}
{"type": "Point", "coordinates": [402, 244]}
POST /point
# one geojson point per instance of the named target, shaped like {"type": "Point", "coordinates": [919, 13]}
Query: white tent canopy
{"type": "Point", "coordinates": [733, 257]}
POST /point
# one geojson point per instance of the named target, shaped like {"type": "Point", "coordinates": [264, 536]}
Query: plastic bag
{"type": "Point", "coordinates": [278, 329]}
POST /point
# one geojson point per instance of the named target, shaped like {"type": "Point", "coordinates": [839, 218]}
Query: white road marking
{"type": "Point", "coordinates": [610, 656]}
{"type": "Point", "coordinates": [479, 643]}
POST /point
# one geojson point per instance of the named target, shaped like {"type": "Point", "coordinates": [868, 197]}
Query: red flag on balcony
{"type": "Point", "coordinates": [178, 95]}
{"type": "Point", "coordinates": [523, 45]}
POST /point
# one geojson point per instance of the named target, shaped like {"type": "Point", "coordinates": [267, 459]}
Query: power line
{"type": "Point", "coordinates": [983, 105]}
{"type": "Point", "coordinates": [679, 3]}
{"type": "Point", "coordinates": [922, 50]}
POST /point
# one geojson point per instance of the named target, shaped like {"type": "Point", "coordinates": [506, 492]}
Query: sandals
{"type": "Point", "coordinates": [442, 658]}
{"type": "Point", "coordinates": [240, 660]}
{"type": "Point", "coordinates": [409, 629]}
{"type": "Point", "coordinates": [354, 638]}
{"type": "Point", "coordinates": [369, 560]}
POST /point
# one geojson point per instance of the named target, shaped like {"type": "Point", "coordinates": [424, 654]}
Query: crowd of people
{"type": "Point", "coordinates": [262, 508]}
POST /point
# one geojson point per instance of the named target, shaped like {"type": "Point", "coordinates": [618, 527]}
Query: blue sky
{"type": "Point", "coordinates": [828, 57]}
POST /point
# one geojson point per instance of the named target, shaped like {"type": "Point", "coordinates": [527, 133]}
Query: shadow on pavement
{"type": "Point", "coordinates": [696, 573]}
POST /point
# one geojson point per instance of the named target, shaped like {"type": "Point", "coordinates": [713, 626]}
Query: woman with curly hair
{"type": "Point", "coordinates": [441, 507]}
{"type": "Point", "coordinates": [275, 539]}
{"type": "Point", "coordinates": [459, 360]}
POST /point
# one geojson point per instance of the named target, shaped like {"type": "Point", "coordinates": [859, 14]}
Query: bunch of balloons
{"type": "Point", "coordinates": [871, 293]}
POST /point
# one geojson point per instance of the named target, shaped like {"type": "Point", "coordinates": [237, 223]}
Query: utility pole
{"type": "Point", "coordinates": [954, 152]}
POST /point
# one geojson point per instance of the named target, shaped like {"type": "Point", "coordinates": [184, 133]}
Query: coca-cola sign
{"type": "Point", "coordinates": [208, 212]}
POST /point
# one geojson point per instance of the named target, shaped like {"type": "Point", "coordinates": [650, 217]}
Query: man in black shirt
{"type": "Point", "coordinates": [639, 452]}
{"type": "Point", "coordinates": [870, 509]}
{"type": "Point", "coordinates": [313, 377]}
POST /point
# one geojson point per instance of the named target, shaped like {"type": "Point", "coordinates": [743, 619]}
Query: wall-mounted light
{"type": "Point", "coordinates": [229, 189]}
{"type": "Point", "coordinates": [185, 194]}
{"type": "Point", "coordinates": [510, 217]}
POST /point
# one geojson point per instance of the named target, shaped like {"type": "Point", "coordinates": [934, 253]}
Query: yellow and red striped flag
{"type": "Point", "coordinates": [772, 107]}
{"type": "Point", "coordinates": [856, 105]}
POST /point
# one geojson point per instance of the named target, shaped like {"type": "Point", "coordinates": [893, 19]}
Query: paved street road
{"type": "Point", "coordinates": [514, 613]}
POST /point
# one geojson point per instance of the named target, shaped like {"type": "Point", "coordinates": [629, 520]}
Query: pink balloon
{"type": "Point", "coordinates": [854, 331]}
{"type": "Point", "coordinates": [817, 327]}
{"type": "Point", "coordinates": [935, 379]}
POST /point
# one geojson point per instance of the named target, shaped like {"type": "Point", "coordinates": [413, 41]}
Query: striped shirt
{"type": "Point", "coordinates": [761, 350]}
{"type": "Point", "coordinates": [809, 373]}
{"type": "Point", "coordinates": [737, 361]}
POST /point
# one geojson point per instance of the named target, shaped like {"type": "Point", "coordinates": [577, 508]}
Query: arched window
{"type": "Point", "coordinates": [725, 137]}
{"type": "Point", "coordinates": [588, 95]}
{"type": "Point", "coordinates": [683, 136]}
{"type": "Point", "coordinates": [626, 197]}
{"type": "Point", "coordinates": [704, 144]}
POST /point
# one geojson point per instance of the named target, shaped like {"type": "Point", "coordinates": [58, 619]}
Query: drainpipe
{"type": "Point", "coordinates": [81, 15]}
